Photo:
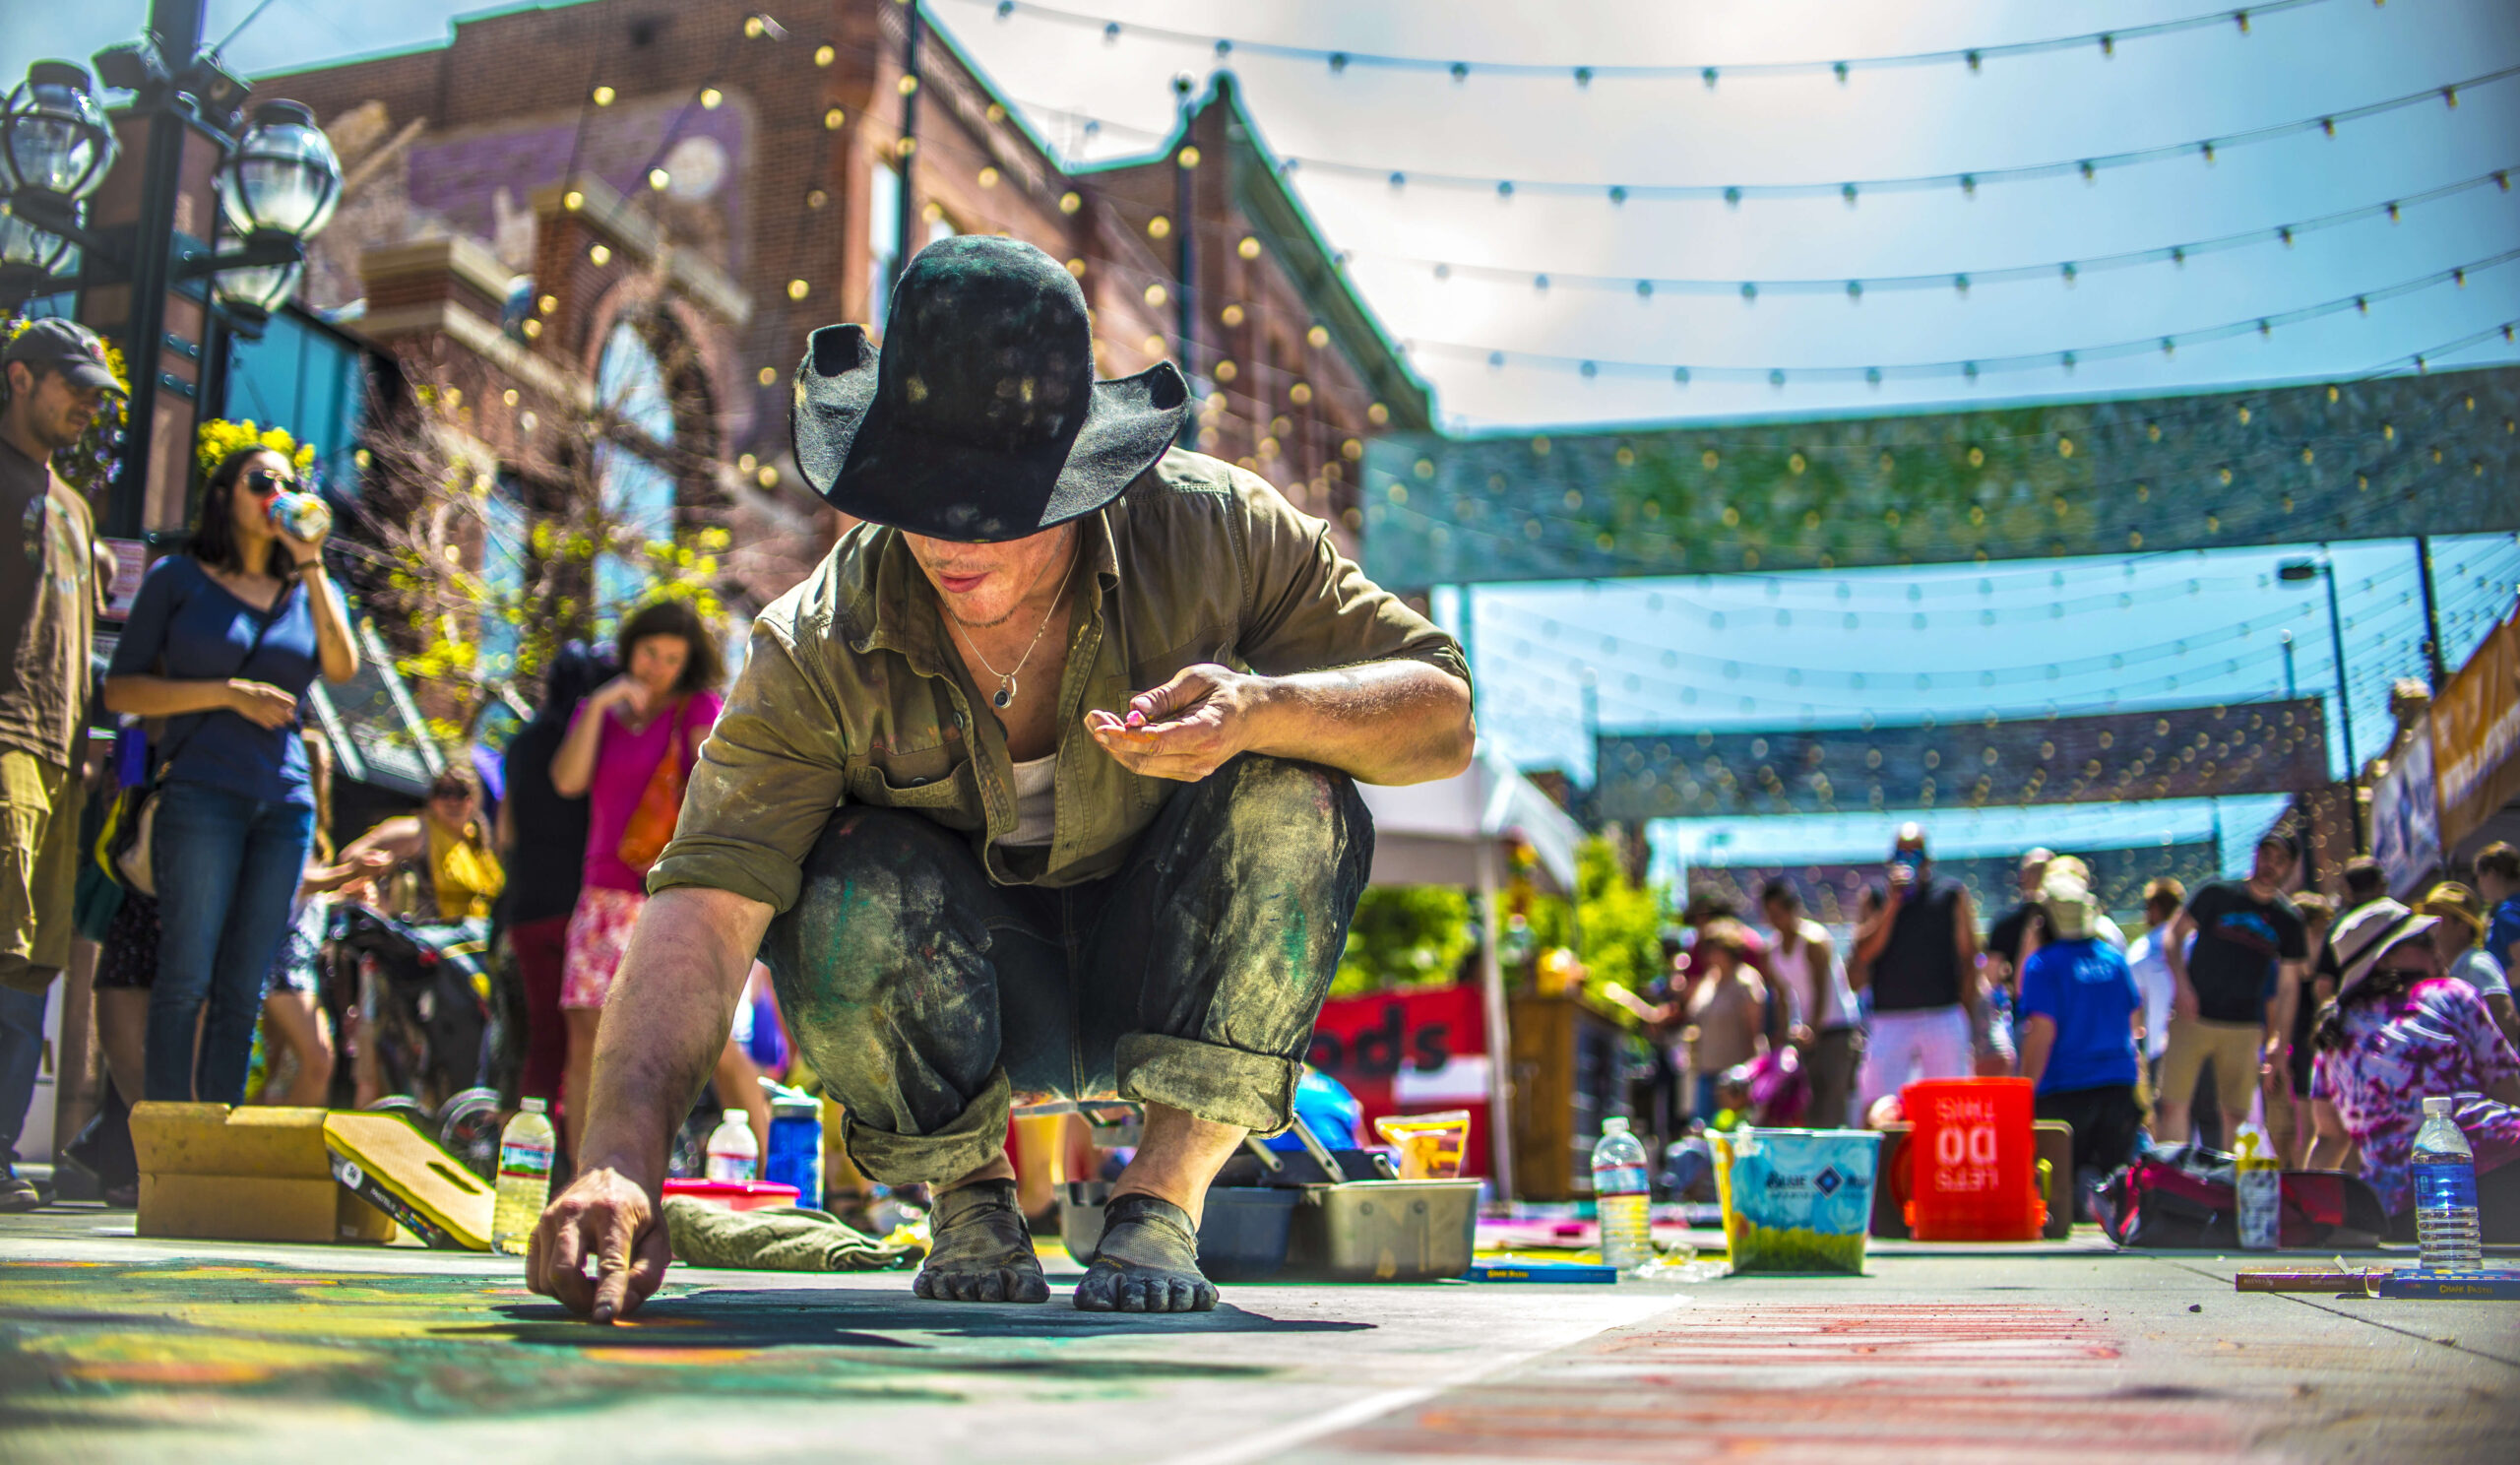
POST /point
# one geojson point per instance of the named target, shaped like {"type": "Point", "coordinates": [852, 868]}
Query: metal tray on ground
{"type": "Point", "coordinates": [1380, 1230]}
{"type": "Point", "coordinates": [1384, 1231]}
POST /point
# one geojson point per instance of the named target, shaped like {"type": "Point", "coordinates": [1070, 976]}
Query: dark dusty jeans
{"type": "Point", "coordinates": [927, 997]}
{"type": "Point", "coordinates": [227, 865]}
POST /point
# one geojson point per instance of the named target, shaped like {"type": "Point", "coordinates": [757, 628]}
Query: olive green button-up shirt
{"type": "Point", "coordinates": [854, 694]}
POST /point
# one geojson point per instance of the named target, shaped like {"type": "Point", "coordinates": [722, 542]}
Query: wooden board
{"type": "Point", "coordinates": [447, 1204]}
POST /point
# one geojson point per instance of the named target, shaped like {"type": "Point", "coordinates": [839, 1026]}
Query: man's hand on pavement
{"type": "Point", "coordinates": [1188, 727]}
{"type": "Point", "coordinates": [613, 1221]}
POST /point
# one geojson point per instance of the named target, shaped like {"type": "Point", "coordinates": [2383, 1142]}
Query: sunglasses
{"type": "Point", "coordinates": [2402, 971]}
{"type": "Point", "coordinates": [265, 482]}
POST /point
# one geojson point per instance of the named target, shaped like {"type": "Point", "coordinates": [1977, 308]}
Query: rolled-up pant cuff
{"type": "Point", "coordinates": [977, 1137]}
{"type": "Point", "coordinates": [1208, 1081]}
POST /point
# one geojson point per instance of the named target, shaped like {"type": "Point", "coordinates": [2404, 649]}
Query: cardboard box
{"type": "Point", "coordinates": [246, 1208]}
{"type": "Point", "coordinates": [255, 1174]}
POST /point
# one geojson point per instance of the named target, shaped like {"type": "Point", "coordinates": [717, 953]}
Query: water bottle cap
{"type": "Point", "coordinates": [1615, 1124]}
{"type": "Point", "coordinates": [2438, 1104]}
{"type": "Point", "coordinates": [532, 1106]}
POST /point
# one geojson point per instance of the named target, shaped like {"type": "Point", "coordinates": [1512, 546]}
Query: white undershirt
{"type": "Point", "coordinates": [1034, 793]}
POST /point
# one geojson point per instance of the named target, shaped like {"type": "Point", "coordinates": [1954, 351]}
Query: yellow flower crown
{"type": "Point", "coordinates": [217, 438]}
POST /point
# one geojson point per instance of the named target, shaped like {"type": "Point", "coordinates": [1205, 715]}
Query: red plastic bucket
{"type": "Point", "coordinates": [1972, 1163]}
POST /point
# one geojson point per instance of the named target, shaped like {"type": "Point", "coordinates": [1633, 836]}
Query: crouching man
{"type": "Point", "coordinates": [1042, 784]}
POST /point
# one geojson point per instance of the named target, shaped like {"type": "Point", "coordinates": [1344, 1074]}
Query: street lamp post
{"type": "Point", "coordinates": [2294, 572]}
{"type": "Point", "coordinates": [184, 217]}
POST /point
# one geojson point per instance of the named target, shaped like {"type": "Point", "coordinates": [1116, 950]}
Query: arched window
{"type": "Point", "coordinates": [639, 495]}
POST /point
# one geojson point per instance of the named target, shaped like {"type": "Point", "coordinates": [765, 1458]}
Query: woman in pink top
{"type": "Point", "coordinates": [661, 706]}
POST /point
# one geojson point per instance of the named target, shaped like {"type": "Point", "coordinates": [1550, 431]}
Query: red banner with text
{"type": "Point", "coordinates": [1411, 1053]}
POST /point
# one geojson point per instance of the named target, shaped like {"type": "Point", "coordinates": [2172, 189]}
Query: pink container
{"type": "Point", "coordinates": [734, 1195]}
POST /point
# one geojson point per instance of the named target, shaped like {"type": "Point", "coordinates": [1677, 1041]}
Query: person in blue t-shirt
{"type": "Point", "coordinates": [222, 642]}
{"type": "Point", "coordinates": [2081, 1018]}
{"type": "Point", "coordinates": [2498, 881]}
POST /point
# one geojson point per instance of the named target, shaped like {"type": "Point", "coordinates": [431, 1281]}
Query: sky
{"type": "Point", "coordinates": [1099, 94]}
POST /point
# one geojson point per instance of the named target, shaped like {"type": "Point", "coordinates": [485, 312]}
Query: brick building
{"type": "Point", "coordinates": [561, 200]}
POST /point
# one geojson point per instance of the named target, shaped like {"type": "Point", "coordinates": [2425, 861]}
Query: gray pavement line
{"type": "Point", "coordinates": [1389, 1401]}
{"type": "Point", "coordinates": [2307, 1301]}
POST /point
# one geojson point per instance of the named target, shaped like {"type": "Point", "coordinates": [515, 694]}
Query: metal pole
{"type": "Point", "coordinates": [2292, 686]}
{"type": "Point", "coordinates": [177, 25]}
{"type": "Point", "coordinates": [905, 237]}
{"type": "Point", "coordinates": [2344, 705]}
{"type": "Point", "coordinates": [2433, 654]}
{"type": "Point", "coordinates": [1492, 1000]}
{"type": "Point", "coordinates": [1185, 200]}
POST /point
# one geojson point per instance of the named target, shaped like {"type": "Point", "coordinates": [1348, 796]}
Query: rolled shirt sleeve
{"type": "Point", "coordinates": [1311, 607]}
{"type": "Point", "coordinates": [768, 777]}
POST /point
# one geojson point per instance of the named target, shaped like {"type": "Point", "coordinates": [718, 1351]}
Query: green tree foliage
{"type": "Point", "coordinates": [1406, 936]}
{"type": "Point", "coordinates": [1421, 936]}
{"type": "Point", "coordinates": [1619, 935]}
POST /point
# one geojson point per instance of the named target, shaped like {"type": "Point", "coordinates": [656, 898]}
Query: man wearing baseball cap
{"type": "Point", "coordinates": [57, 381]}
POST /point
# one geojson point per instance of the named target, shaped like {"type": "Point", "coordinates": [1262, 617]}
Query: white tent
{"type": "Point", "coordinates": [1455, 832]}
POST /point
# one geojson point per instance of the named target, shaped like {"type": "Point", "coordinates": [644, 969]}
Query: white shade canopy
{"type": "Point", "coordinates": [1436, 834]}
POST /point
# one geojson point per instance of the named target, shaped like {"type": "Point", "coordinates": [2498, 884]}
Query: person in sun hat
{"type": "Point", "coordinates": [2399, 1031]}
{"type": "Point", "coordinates": [1042, 784]}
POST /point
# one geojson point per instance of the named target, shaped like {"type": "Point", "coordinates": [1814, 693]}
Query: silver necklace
{"type": "Point", "coordinates": [1007, 687]}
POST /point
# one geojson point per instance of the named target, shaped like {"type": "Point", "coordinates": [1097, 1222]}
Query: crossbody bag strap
{"type": "Point", "coordinates": [252, 648]}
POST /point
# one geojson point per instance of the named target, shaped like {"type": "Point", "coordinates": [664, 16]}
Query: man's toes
{"type": "Point", "coordinates": [990, 1287]}
{"type": "Point", "coordinates": [1027, 1287]}
{"type": "Point", "coordinates": [924, 1286]}
{"type": "Point", "coordinates": [1132, 1296]}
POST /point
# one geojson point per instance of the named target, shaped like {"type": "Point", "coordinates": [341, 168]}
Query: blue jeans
{"type": "Point", "coordinates": [21, 1055]}
{"type": "Point", "coordinates": [227, 865]}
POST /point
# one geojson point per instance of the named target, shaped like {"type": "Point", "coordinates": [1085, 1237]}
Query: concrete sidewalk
{"type": "Point", "coordinates": [114, 1347]}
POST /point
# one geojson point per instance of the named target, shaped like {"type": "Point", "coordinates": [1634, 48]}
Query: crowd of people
{"type": "Point", "coordinates": [197, 849]}
{"type": "Point", "coordinates": [2245, 1002]}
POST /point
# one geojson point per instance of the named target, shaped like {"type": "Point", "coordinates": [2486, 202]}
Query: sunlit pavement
{"type": "Point", "coordinates": [114, 1347]}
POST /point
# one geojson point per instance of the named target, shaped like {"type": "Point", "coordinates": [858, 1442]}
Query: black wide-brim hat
{"type": "Point", "coordinates": [980, 420]}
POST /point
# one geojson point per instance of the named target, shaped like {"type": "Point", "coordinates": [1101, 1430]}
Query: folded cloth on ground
{"type": "Point", "coordinates": [779, 1239]}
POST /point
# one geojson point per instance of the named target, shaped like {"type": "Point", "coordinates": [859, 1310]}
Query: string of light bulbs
{"type": "Point", "coordinates": [1500, 618]}
{"type": "Point", "coordinates": [2104, 43]}
{"type": "Point", "coordinates": [1969, 369]}
{"type": "Point", "coordinates": [2206, 661]}
{"type": "Point", "coordinates": [2089, 169]}
{"type": "Point", "coordinates": [1856, 288]}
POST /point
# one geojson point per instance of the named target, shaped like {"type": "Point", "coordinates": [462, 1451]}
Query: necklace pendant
{"type": "Point", "coordinates": [1005, 697]}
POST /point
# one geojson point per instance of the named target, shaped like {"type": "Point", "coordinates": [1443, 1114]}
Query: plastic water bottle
{"type": "Point", "coordinates": [1619, 1197]}
{"type": "Point", "coordinates": [733, 1154]}
{"type": "Point", "coordinates": [2259, 1179]}
{"type": "Point", "coordinates": [2445, 1192]}
{"type": "Point", "coordinates": [525, 1178]}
